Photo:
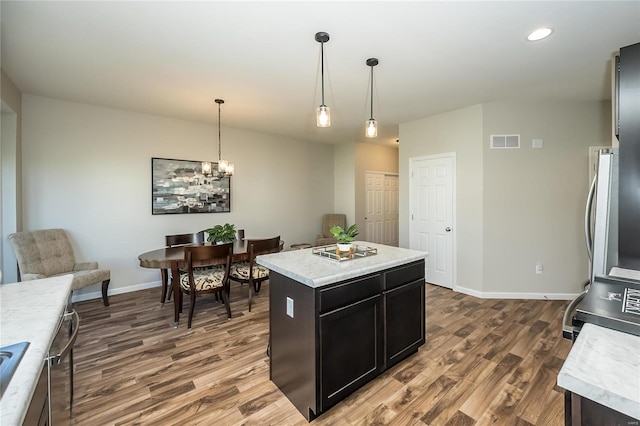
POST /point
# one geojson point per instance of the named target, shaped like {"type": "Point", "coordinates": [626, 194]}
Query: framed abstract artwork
{"type": "Point", "coordinates": [179, 186]}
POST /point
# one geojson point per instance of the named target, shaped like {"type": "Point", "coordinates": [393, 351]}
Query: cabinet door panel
{"type": "Point", "coordinates": [350, 349]}
{"type": "Point", "coordinates": [405, 323]}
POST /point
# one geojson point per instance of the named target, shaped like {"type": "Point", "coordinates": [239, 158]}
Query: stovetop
{"type": "Point", "coordinates": [612, 302]}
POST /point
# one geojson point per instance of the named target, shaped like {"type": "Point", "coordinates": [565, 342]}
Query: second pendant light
{"type": "Point", "coordinates": [371, 128]}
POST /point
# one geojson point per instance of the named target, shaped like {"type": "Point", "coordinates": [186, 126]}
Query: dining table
{"type": "Point", "coordinates": [172, 258]}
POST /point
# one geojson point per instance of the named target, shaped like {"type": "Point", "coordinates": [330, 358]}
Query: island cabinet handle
{"type": "Point", "coordinates": [56, 359]}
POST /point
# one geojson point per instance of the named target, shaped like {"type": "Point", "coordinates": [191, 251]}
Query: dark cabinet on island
{"type": "Point", "coordinates": [328, 340]}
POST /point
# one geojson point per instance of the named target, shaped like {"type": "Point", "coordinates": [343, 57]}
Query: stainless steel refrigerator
{"type": "Point", "coordinates": [612, 218]}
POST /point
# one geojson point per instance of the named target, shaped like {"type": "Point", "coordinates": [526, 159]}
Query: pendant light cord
{"type": "Point", "coordinates": [371, 92]}
{"type": "Point", "coordinates": [219, 138]}
{"type": "Point", "coordinates": [322, 69]}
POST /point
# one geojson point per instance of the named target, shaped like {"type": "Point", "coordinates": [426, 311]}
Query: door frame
{"type": "Point", "coordinates": [454, 245]}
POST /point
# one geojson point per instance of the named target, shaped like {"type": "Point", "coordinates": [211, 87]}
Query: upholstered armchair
{"type": "Point", "coordinates": [328, 221]}
{"type": "Point", "coordinates": [48, 252]}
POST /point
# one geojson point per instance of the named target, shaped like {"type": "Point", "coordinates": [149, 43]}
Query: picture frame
{"type": "Point", "coordinates": [180, 187]}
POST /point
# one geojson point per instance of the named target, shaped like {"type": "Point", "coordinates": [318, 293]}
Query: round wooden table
{"type": "Point", "coordinates": [171, 258]}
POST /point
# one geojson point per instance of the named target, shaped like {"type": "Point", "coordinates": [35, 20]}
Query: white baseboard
{"type": "Point", "coordinates": [119, 290]}
{"type": "Point", "coordinates": [514, 295]}
{"type": "Point", "coordinates": [469, 291]}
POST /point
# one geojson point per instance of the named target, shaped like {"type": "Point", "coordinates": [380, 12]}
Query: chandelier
{"type": "Point", "coordinates": [225, 169]}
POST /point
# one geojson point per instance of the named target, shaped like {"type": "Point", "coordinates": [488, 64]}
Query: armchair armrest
{"type": "Point", "coordinates": [85, 266]}
{"type": "Point", "coordinates": [29, 277]}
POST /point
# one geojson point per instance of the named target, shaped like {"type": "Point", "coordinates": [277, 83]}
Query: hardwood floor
{"type": "Point", "coordinates": [485, 362]}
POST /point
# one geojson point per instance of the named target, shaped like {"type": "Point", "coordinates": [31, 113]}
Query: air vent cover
{"type": "Point", "coordinates": [505, 141]}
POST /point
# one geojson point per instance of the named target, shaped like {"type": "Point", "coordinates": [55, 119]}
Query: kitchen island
{"type": "Point", "coordinates": [334, 326]}
{"type": "Point", "coordinates": [30, 312]}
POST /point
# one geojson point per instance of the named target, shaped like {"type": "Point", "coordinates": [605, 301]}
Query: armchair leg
{"type": "Point", "coordinates": [105, 287]}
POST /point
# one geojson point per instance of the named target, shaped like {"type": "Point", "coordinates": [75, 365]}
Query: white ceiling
{"type": "Point", "coordinates": [174, 58]}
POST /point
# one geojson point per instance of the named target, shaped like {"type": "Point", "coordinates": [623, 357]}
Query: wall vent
{"type": "Point", "coordinates": [505, 141]}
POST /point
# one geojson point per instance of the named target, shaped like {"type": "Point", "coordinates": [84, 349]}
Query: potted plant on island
{"type": "Point", "coordinates": [221, 234]}
{"type": "Point", "coordinates": [345, 238]}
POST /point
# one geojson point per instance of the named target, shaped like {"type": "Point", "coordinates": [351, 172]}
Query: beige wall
{"type": "Point", "coordinates": [534, 198]}
{"type": "Point", "coordinates": [460, 132]}
{"type": "Point", "coordinates": [344, 181]}
{"type": "Point", "coordinates": [515, 208]}
{"type": "Point", "coordinates": [370, 157]}
{"type": "Point", "coordinates": [10, 172]}
{"type": "Point", "coordinates": [88, 170]}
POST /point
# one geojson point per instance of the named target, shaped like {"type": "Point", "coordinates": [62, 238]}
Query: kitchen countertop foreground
{"type": "Point", "coordinates": [604, 366]}
{"type": "Point", "coordinates": [315, 271]}
{"type": "Point", "coordinates": [30, 311]}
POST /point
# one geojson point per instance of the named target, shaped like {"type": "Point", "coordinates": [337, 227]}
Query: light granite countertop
{"type": "Point", "coordinates": [29, 312]}
{"type": "Point", "coordinates": [604, 366]}
{"type": "Point", "coordinates": [316, 271]}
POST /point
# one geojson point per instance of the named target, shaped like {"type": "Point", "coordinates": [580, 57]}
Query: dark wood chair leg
{"type": "Point", "coordinates": [105, 287]}
{"type": "Point", "coordinates": [163, 277]}
{"type": "Point", "coordinates": [257, 286]}
{"type": "Point", "coordinates": [225, 300]}
{"type": "Point", "coordinates": [250, 294]}
{"type": "Point", "coordinates": [192, 307]}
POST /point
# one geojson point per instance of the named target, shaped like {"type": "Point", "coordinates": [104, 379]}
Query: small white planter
{"type": "Point", "coordinates": [345, 247]}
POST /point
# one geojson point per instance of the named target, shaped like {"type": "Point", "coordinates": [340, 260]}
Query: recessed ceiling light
{"type": "Point", "coordinates": [539, 34]}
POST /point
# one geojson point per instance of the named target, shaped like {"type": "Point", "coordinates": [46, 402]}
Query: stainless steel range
{"type": "Point", "coordinates": [611, 302]}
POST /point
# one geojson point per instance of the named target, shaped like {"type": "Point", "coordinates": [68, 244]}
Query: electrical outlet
{"type": "Point", "coordinates": [290, 307]}
{"type": "Point", "coordinates": [539, 268]}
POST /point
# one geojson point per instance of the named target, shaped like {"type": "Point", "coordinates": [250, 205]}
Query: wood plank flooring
{"type": "Point", "coordinates": [485, 362]}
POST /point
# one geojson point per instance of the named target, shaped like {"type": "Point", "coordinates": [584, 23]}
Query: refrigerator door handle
{"type": "Point", "coordinates": [567, 328]}
{"type": "Point", "coordinates": [588, 235]}
{"type": "Point", "coordinates": [57, 358]}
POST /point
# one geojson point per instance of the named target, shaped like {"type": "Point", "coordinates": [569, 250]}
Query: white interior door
{"type": "Point", "coordinates": [374, 219]}
{"type": "Point", "coordinates": [391, 215]}
{"type": "Point", "coordinates": [381, 219]}
{"type": "Point", "coordinates": [432, 195]}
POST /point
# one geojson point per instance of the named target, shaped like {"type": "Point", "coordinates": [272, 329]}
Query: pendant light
{"type": "Point", "coordinates": [225, 168]}
{"type": "Point", "coordinates": [323, 113]}
{"type": "Point", "coordinates": [371, 128]}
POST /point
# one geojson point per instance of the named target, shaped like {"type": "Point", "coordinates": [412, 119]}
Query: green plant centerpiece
{"type": "Point", "coordinates": [221, 234]}
{"type": "Point", "coordinates": [345, 238]}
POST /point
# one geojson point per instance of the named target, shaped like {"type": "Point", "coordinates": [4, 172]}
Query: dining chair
{"type": "Point", "coordinates": [249, 272]}
{"type": "Point", "coordinates": [176, 241]}
{"type": "Point", "coordinates": [206, 270]}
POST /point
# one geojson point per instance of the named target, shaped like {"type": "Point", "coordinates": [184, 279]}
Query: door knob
{"type": "Point", "coordinates": [448, 229]}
